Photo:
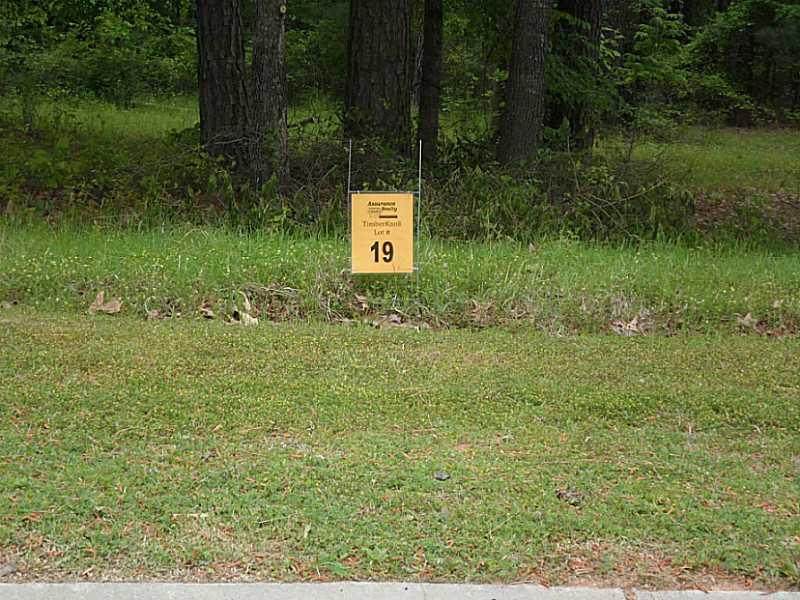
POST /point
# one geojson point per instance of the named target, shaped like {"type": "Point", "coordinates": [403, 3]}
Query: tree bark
{"type": "Point", "coordinates": [378, 86]}
{"type": "Point", "coordinates": [268, 87]}
{"type": "Point", "coordinates": [243, 112]}
{"type": "Point", "coordinates": [430, 92]}
{"type": "Point", "coordinates": [222, 83]}
{"type": "Point", "coordinates": [521, 126]}
{"type": "Point", "coordinates": [583, 52]}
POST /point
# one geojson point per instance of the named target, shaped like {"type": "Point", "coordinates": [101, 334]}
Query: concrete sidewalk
{"type": "Point", "coordinates": [346, 591]}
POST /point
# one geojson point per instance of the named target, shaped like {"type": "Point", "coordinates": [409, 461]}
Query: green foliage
{"type": "Point", "coordinates": [123, 52]}
{"type": "Point", "coordinates": [577, 75]}
{"type": "Point", "coordinates": [650, 75]}
{"type": "Point", "coordinates": [316, 48]}
{"type": "Point", "coordinates": [118, 55]}
{"type": "Point", "coordinates": [745, 61]}
{"type": "Point", "coordinates": [655, 56]}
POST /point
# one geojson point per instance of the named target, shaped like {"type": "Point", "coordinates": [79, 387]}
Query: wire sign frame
{"type": "Point", "coordinates": [384, 227]}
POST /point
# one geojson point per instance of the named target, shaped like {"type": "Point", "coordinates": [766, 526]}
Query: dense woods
{"type": "Point", "coordinates": [503, 86]}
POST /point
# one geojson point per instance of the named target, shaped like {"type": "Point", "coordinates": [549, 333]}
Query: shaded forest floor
{"type": "Point", "coordinates": [93, 160]}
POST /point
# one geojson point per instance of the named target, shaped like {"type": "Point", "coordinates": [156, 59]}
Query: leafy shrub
{"type": "Point", "coordinates": [595, 200]}
{"type": "Point", "coordinates": [124, 56]}
{"type": "Point", "coordinates": [316, 47]}
{"type": "Point", "coordinates": [651, 76]}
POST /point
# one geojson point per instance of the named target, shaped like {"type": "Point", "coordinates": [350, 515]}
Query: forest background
{"type": "Point", "coordinates": [601, 131]}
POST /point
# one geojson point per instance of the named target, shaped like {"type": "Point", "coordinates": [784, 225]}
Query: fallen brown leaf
{"type": "Point", "coordinates": [361, 303]}
{"type": "Point", "coordinates": [206, 310]}
{"type": "Point", "coordinates": [111, 307]}
{"type": "Point", "coordinates": [746, 321]}
{"type": "Point", "coordinates": [249, 321]}
{"type": "Point", "coordinates": [247, 306]}
{"type": "Point", "coordinates": [632, 327]}
{"type": "Point", "coordinates": [242, 318]}
{"type": "Point", "coordinates": [391, 320]}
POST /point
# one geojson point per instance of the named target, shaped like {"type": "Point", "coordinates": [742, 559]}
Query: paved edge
{"type": "Point", "coordinates": [349, 591]}
{"type": "Point", "coordinates": [716, 595]}
{"type": "Point", "coordinates": [299, 591]}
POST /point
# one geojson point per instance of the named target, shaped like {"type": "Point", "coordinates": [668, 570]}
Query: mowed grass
{"type": "Point", "coordinates": [197, 450]}
{"type": "Point", "coordinates": [560, 285]}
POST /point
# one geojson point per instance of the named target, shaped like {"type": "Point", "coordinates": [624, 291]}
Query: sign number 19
{"type": "Point", "coordinates": [388, 251]}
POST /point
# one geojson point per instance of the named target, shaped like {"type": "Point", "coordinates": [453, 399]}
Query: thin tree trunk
{"type": "Point", "coordinates": [430, 92]}
{"type": "Point", "coordinates": [525, 91]}
{"type": "Point", "coordinates": [269, 92]}
{"type": "Point", "coordinates": [378, 86]}
{"type": "Point", "coordinates": [583, 48]}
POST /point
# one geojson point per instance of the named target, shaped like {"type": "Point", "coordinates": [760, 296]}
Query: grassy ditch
{"type": "Point", "coordinates": [196, 450]}
{"type": "Point", "coordinates": [561, 286]}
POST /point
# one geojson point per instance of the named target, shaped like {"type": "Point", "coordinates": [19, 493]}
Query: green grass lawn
{"type": "Point", "coordinates": [185, 449]}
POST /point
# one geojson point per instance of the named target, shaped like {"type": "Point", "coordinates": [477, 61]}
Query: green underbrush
{"type": "Point", "coordinates": [89, 161]}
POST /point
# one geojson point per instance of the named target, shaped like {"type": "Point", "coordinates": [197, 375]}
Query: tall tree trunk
{"type": "Point", "coordinates": [269, 91]}
{"type": "Point", "coordinates": [582, 34]}
{"type": "Point", "coordinates": [525, 91]}
{"type": "Point", "coordinates": [430, 92]}
{"type": "Point", "coordinates": [378, 86]}
{"type": "Point", "coordinates": [243, 114]}
{"type": "Point", "coordinates": [221, 74]}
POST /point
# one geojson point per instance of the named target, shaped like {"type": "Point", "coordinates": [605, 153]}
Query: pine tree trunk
{"type": "Point", "coordinates": [378, 86]}
{"type": "Point", "coordinates": [268, 88]}
{"type": "Point", "coordinates": [430, 92]}
{"type": "Point", "coordinates": [221, 74]}
{"type": "Point", "coordinates": [583, 52]}
{"type": "Point", "coordinates": [243, 114]}
{"type": "Point", "coordinates": [525, 91]}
